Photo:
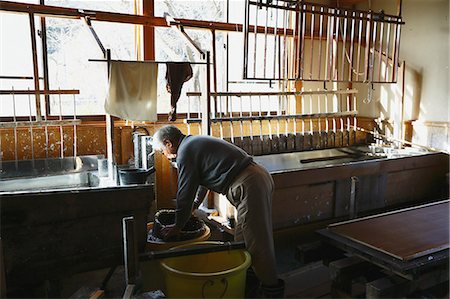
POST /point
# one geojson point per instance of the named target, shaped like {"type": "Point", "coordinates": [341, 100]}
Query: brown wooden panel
{"type": "Point", "coordinates": [302, 204]}
{"type": "Point", "coordinates": [53, 207]}
{"type": "Point", "coordinates": [413, 185]}
{"type": "Point", "coordinates": [53, 234]}
{"type": "Point", "coordinates": [405, 234]}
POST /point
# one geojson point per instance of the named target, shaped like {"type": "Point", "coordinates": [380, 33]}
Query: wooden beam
{"type": "Point", "coordinates": [73, 13]}
{"type": "Point", "coordinates": [149, 32]}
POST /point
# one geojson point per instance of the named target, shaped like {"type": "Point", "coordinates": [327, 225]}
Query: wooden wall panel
{"type": "Point", "coordinates": [302, 204]}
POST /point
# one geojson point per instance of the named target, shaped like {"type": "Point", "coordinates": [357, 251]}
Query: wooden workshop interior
{"type": "Point", "coordinates": [344, 102]}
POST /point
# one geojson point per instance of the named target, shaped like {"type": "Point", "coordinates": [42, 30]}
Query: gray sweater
{"type": "Point", "coordinates": [205, 161]}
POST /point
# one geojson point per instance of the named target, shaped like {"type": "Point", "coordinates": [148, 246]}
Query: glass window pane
{"type": "Point", "coordinates": [16, 60]}
{"type": "Point", "coordinates": [122, 6]}
{"type": "Point", "coordinates": [213, 10]}
{"type": "Point", "coordinates": [70, 46]}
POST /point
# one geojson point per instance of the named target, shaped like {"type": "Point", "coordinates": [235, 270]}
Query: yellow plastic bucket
{"type": "Point", "coordinates": [211, 275]}
{"type": "Point", "coordinates": [152, 278]}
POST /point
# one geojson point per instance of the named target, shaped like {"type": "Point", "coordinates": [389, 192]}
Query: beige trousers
{"type": "Point", "coordinates": [251, 194]}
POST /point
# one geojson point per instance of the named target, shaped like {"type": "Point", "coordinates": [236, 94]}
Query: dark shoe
{"type": "Point", "coordinates": [276, 291]}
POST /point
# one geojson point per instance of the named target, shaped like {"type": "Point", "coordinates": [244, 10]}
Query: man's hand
{"type": "Point", "coordinates": [170, 232]}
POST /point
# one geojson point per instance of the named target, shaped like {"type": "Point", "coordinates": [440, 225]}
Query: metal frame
{"type": "Point", "coordinates": [338, 27]}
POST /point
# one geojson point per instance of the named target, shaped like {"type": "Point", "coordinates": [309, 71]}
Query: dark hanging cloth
{"type": "Point", "coordinates": [177, 74]}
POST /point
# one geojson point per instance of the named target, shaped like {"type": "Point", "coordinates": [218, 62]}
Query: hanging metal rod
{"type": "Point", "coordinates": [40, 123]}
{"type": "Point", "coordinates": [43, 92]}
{"type": "Point", "coordinates": [379, 15]}
{"type": "Point", "coordinates": [19, 78]}
{"type": "Point", "coordinates": [274, 93]}
{"type": "Point", "coordinates": [145, 61]}
{"type": "Point", "coordinates": [275, 117]}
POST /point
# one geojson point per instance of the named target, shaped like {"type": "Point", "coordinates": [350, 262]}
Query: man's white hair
{"type": "Point", "coordinates": [169, 132]}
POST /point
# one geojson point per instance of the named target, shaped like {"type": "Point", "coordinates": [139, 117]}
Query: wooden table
{"type": "Point", "coordinates": [413, 243]}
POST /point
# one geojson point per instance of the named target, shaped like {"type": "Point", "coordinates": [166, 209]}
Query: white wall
{"type": "Point", "coordinates": [424, 46]}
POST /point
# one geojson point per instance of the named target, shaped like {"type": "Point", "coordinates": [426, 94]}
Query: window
{"type": "Point", "coordinates": [70, 46]}
{"type": "Point", "coordinates": [16, 60]}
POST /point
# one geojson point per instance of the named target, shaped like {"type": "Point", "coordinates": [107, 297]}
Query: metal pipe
{"type": "Point", "coordinates": [330, 53]}
{"type": "Point", "coordinates": [275, 44]}
{"type": "Point", "coordinates": [326, 112]}
{"type": "Point", "coordinates": [372, 61]}
{"type": "Point", "coordinates": [302, 112]}
{"type": "Point", "coordinates": [380, 50]}
{"type": "Point", "coordinates": [335, 48]}
{"type": "Point", "coordinates": [344, 42]}
{"type": "Point", "coordinates": [285, 62]}
{"type": "Point", "coordinates": [265, 41]}
{"type": "Point", "coordinates": [311, 51]}
{"type": "Point", "coordinates": [251, 121]}
{"type": "Point", "coordinates": [320, 41]}
{"type": "Point", "coordinates": [16, 158]}
{"type": "Point", "coordinates": [260, 122]}
{"type": "Point", "coordinates": [352, 39]}
{"type": "Point", "coordinates": [359, 47]}
{"type": "Point", "coordinates": [289, 65]}
{"type": "Point", "coordinates": [31, 131]}
{"type": "Point", "coordinates": [35, 65]}
{"type": "Point", "coordinates": [241, 125]}
{"type": "Point", "coordinates": [311, 113]}
{"type": "Point", "coordinates": [367, 52]}
{"type": "Point", "coordinates": [302, 54]}
{"type": "Point", "coordinates": [396, 53]}
{"type": "Point", "coordinates": [189, 115]}
{"type": "Point", "coordinates": [352, 205]}
{"type": "Point", "coordinates": [388, 41]}
{"type": "Point", "coordinates": [298, 18]}
{"type": "Point", "coordinates": [231, 123]}
{"type": "Point", "coordinates": [75, 139]}
{"type": "Point", "coordinates": [61, 132]}
{"type": "Point", "coordinates": [282, 117]}
{"type": "Point", "coordinates": [255, 44]}
{"type": "Point", "coordinates": [246, 29]}
{"type": "Point", "coordinates": [281, 93]}
{"type": "Point", "coordinates": [214, 65]}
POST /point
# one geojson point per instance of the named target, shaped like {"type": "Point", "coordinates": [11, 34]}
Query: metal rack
{"type": "Point", "coordinates": [297, 40]}
{"type": "Point", "coordinates": [324, 119]}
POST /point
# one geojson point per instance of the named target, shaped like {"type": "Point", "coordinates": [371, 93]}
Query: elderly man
{"type": "Point", "coordinates": [206, 162]}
